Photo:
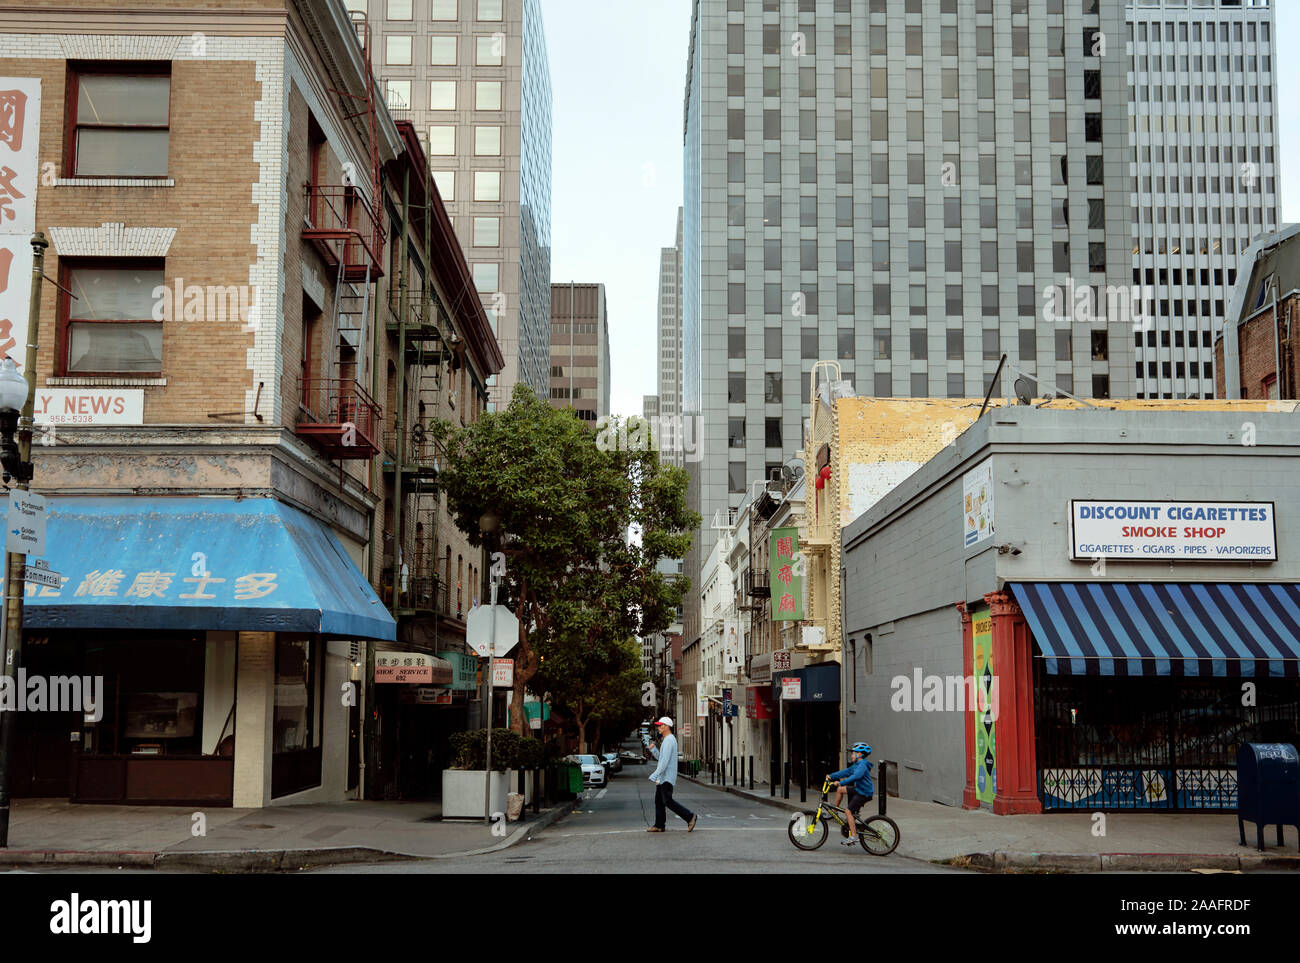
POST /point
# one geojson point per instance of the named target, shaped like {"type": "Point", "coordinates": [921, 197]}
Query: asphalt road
{"type": "Point", "coordinates": [607, 834]}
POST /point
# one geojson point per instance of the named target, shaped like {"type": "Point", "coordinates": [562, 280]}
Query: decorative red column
{"type": "Point", "coordinates": [1017, 769]}
{"type": "Point", "coordinates": [968, 798]}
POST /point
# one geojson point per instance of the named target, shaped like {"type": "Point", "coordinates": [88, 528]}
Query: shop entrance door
{"type": "Point", "coordinates": [43, 747]}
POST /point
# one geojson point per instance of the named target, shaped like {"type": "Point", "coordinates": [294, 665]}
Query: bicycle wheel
{"type": "Point", "coordinates": [806, 830]}
{"type": "Point", "coordinates": [879, 835]}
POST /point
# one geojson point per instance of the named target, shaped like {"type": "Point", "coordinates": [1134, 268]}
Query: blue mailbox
{"type": "Point", "coordinates": [1268, 788]}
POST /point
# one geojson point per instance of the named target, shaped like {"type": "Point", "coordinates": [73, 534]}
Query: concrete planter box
{"type": "Point", "coordinates": [462, 793]}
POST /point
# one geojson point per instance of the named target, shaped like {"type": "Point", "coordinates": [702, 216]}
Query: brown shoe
{"type": "Point", "coordinates": [691, 825]}
{"type": "Point", "coordinates": [654, 829]}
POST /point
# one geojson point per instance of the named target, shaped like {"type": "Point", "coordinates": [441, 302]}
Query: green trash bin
{"type": "Point", "coordinates": [575, 779]}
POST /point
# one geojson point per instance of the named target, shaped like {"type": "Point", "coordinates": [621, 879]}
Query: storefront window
{"type": "Point", "coordinates": [296, 747]}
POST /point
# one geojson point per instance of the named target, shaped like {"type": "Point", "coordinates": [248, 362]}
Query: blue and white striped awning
{"type": "Point", "coordinates": [1164, 628]}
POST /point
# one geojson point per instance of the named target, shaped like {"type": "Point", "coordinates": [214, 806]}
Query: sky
{"type": "Point", "coordinates": [618, 72]}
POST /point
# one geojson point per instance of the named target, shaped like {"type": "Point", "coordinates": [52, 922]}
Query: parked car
{"type": "Point", "coordinates": [630, 757]}
{"type": "Point", "coordinates": [593, 770]}
{"type": "Point", "coordinates": [615, 763]}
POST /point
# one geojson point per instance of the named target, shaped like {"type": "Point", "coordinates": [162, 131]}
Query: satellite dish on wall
{"type": "Point", "coordinates": [1025, 390]}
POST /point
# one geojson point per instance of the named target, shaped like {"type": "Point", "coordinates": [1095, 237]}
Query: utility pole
{"type": "Point", "coordinates": [16, 563]}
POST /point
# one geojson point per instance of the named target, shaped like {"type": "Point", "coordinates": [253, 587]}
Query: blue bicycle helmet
{"type": "Point", "coordinates": [861, 747]}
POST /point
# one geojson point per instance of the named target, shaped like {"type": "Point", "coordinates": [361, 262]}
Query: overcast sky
{"type": "Point", "coordinates": [618, 70]}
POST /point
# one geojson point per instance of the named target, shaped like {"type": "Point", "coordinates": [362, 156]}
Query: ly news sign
{"type": "Point", "coordinates": [1204, 531]}
{"type": "Point", "coordinates": [89, 406]}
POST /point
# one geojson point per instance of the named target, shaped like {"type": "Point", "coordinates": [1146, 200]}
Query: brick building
{"type": "Point", "coordinates": [1257, 340]}
{"type": "Point", "coordinates": [219, 187]}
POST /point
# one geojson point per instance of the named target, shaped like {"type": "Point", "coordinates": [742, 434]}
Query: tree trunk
{"type": "Point", "coordinates": [582, 731]}
{"type": "Point", "coordinates": [525, 667]}
{"type": "Point", "coordinates": [596, 739]}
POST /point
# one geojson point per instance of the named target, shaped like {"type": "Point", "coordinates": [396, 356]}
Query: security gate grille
{"type": "Point", "coordinates": [1152, 742]}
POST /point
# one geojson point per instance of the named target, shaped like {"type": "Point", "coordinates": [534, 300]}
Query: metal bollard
{"type": "Point", "coordinates": [882, 791]}
{"type": "Point", "coordinates": [787, 779]}
{"type": "Point", "coordinates": [803, 783]}
{"type": "Point", "coordinates": [751, 772]}
{"type": "Point", "coordinates": [773, 777]}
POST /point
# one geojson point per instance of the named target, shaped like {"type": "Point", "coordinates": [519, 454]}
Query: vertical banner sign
{"type": "Point", "coordinates": [977, 503]}
{"type": "Point", "coordinates": [786, 583]}
{"type": "Point", "coordinates": [985, 744]}
{"type": "Point", "coordinates": [20, 119]}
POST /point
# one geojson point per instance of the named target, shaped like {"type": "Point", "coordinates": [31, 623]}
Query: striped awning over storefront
{"type": "Point", "coordinates": [1164, 628]}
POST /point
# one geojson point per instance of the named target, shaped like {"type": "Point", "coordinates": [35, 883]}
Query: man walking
{"type": "Point", "coordinates": [664, 776]}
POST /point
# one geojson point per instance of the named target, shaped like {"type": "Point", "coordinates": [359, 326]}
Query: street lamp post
{"type": "Point", "coordinates": [17, 393]}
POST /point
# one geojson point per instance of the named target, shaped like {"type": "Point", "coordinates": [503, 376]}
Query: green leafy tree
{"type": "Point", "coordinates": [565, 504]}
{"type": "Point", "coordinates": [597, 682]}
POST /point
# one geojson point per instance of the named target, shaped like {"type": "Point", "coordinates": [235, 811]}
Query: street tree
{"type": "Point", "coordinates": [565, 506]}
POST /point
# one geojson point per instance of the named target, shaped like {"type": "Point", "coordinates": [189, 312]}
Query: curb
{"type": "Point", "coordinates": [262, 861]}
{"type": "Point", "coordinates": [790, 805]}
{"type": "Point", "coordinates": [1011, 861]}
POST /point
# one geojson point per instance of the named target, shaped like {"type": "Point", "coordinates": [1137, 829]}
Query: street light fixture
{"type": "Point", "coordinates": [13, 396]}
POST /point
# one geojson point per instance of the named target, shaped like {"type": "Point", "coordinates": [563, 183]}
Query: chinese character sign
{"type": "Point", "coordinates": [786, 575]}
{"type": "Point", "coordinates": [20, 117]}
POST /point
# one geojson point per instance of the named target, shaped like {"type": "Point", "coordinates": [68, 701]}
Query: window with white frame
{"type": "Point", "coordinates": [446, 183]}
{"type": "Point", "coordinates": [487, 95]}
{"type": "Point", "coordinates": [487, 277]}
{"type": "Point", "coordinates": [487, 185]}
{"type": "Point", "coordinates": [489, 50]}
{"type": "Point", "coordinates": [442, 51]}
{"type": "Point", "coordinates": [442, 140]}
{"type": "Point", "coordinates": [397, 51]}
{"type": "Point", "coordinates": [442, 95]}
{"type": "Point", "coordinates": [487, 141]}
{"type": "Point", "coordinates": [487, 232]}
{"type": "Point", "coordinates": [443, 10]}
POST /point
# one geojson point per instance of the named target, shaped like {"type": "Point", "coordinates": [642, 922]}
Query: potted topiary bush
{"type": "Point", "coordinates": [462, 784]}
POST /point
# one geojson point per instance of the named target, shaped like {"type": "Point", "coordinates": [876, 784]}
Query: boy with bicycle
{"type": "Point", "coordinates": [856, 781]}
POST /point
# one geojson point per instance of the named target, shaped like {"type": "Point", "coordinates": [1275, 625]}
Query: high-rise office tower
{"type": "Point", "coordinates": [896, 184]}
{"type": "Point", "coordinates": [1203, 123]}
{"type": "Point", "coordinates": [474, 77]}
{"type": "Point", "coordinates": [579, 374]}
{"type": "Point", "coordinates": [670, 345]}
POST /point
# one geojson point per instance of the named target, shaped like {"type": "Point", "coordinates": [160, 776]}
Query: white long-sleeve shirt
{"type": "Point", "coordinates": [666, 771]}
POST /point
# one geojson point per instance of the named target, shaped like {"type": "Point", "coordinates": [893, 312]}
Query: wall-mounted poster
{"type": "Point", "coordinates": [977, 503]}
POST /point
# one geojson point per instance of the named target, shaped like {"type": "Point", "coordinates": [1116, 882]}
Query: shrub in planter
{"type": "Point", "coordinates": [509, 750]}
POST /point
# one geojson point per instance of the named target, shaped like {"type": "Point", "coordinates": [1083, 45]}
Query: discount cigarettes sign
{"type": "Point", "coordinates": [1173, 530]}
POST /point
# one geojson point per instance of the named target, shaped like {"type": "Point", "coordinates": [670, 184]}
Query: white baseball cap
{"type": "Point", "coordinates": [664, 721]}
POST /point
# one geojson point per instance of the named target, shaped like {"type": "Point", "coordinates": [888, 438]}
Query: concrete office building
{"type": "Point", "coordinates": [1203, 121]}
{"type": "Point", "coordinates": [580, 350]}
{"type": "Point", "coordinates": [896, 190]}
{"type": "Point", "coordinates": [474, 77]}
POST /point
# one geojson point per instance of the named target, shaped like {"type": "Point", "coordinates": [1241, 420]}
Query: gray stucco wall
{"type": "Point", "coordinates": [905, 567]}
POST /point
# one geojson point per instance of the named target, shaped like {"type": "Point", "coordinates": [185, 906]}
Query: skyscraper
{"type": "Point", "coordinates": [898, 190]}
{"type": "Point", "coordinates": [670, 341]}
{"type": "Point", "coordinates": [474, 77]}
{"type": "Point", "coordinates": [1203, 124]}
{"type": "Point", "coordinates": [579, 374]}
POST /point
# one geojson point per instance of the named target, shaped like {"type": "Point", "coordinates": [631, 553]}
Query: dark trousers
{"type": "Point", "coordinates": [664, 800]}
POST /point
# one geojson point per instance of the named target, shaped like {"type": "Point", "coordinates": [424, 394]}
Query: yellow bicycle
{"type": "Point", "coordinates": [878, 834]}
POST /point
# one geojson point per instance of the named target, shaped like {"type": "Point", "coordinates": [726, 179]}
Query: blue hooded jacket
{"type": "Point", "coordinates": [857, 777]}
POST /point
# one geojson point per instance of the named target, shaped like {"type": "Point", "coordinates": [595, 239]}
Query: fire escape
{"type": "Point", "coordinates": [339, 417]}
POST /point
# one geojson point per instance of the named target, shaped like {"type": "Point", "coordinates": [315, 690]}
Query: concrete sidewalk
{"type": "Point", "coordinates": [249, 840]}
{"type": "Point", "coordinates": [1064, 842]}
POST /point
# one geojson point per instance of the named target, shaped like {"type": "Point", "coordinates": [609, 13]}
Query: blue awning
{"type": "Point", "coordinates": [818, 683]}
{"type": "Point", "coordinates": [1164, 628]}
{"type": "Point", "coordinates": [251, 564]}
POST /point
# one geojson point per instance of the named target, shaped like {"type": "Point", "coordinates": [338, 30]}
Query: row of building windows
{"type": "Point", "coordinates": [775, 40]}
{"type": "Point", "coordinates": [484, 10]}
{"type": "Point", "coordinates": [442, 94]}
{"type": "Point", "coordinates": [1149, 32]}
{"type": "Point", "coordinates": [442, 140]}
{"type": "Point", "coordinates": [882, 344]}
{"type": "Point", "coordinates": [944, 169]}
{"type": "Point", "coordinates": [1226, 64]}
{"type": "Point", "coordinates": [489, 50]}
